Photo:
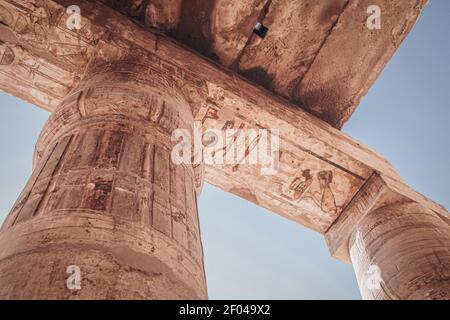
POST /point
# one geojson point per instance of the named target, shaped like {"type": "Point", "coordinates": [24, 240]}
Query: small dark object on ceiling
{"type": "Point", "coordinates": [260, 30]}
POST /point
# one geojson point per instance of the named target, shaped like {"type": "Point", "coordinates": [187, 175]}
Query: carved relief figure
{"type": "Point", "coordinates": [325, 198]}
{"type": "Point", "coordinates": [300, 186]}
{"type": "Point", "coordinates": [6, 54]}
{"type": "Point", "coordinates": [6, 17]}
{"type": "Point", "coordinates": [302, 189]}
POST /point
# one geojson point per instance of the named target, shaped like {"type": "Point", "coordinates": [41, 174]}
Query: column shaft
{"type": "Point", "coordinates": [402, 251]}
{"type": "Point", "coordinates": [106, 197]}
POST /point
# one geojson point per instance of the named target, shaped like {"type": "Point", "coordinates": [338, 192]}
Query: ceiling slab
{"type": "Point", "coordinates": [297, 30]}
{"type": "Point", "coordinates": [217, 29]}
{"type": "Point", "coordinates": [319, 54]}
{"type": "Point", "coordinates": [353, 56]}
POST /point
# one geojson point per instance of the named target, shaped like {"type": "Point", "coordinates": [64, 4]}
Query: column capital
{"type": "Point", "coordinates": [378, 191]}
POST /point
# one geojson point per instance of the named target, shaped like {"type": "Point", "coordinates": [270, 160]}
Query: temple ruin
{"type": "Point", "coordinates": [120, 76]}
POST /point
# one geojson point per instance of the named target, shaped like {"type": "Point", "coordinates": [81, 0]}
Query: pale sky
{"type": "Point", "coordinates": [251, 253]}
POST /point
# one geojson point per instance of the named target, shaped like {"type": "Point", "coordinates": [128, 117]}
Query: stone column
{"type": "Point", "coordinates": [402, 251]}
{"type": "Point", "coordinates": [397, 240]}
{"type": "Point", "coordinates": [105, 196]}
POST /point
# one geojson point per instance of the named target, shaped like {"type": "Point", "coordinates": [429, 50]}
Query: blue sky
{"type": "Point", "coordinates": [252, 253]}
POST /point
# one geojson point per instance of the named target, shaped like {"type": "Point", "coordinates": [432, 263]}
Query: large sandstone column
{"type": "Point", "coordinates": [106, 197]}
{"type": "Point", "coordinates": [397, 241]}
{"type": "Point", "coordinates": [402, 251]}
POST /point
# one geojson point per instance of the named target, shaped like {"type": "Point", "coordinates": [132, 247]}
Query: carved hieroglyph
{"type": "Point", "coordinates": [105, 196]}
{"type": "Point", "coordinates": [46, 59]}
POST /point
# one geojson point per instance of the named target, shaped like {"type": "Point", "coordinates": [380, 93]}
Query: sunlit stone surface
{"type": "Point", "coordinates": [106, 197]}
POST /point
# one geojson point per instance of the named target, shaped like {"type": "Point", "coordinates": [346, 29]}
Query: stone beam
{"type": "Point", "coordinates": [320, 168]}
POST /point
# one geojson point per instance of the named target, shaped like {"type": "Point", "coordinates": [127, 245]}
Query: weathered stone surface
{"type": "Point", "coordinates": [163, 15]}
{"type": "Point", "coordinates": [353, 56]}
{"type": "Point", "coordinates": [297, 30]}
{"type": "Point", "coordinates": [319, 55]}
{"type": "Point", "coordinates": [397, 241]}
{"type": "Point", "coordinates": [104, 194]}
{"type": "Point", "coordinates": [378, 191]}
{"type": "Point", "coordinates": [366, 200]}
{"type": "Point", "coordinates": [409, 246]}
{"type": "Point", "coordinates": [335, 163]}
{"type": "Point", "coordinates": [46, 59]}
